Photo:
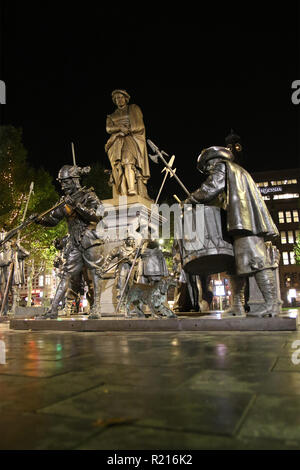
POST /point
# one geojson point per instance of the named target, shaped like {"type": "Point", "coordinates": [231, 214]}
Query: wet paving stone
{"type": "Point", "coordinates": [251, 382]}
{"type": "Point", "coordinates": [149, 390]}
{"type": "Point", "coordinates": [40, 432]}
{"type": "Point", "coordinates": [42, 368]}
{"type": "Point", "coordinates": [287, 364]}
{"type": "Point", "coordinates": [146, 438]}
{"type": "Point", "coordinates": [191, 411]}
{"type": "Point", "coordinates": [274, 417]}
{"type": "Point", "coordinates": [30, 396]}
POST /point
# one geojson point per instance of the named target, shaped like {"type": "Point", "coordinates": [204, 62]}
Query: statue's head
{"type": "Point", "coordinates": [152, 244]}
{"type": "Point", "coordinates": [69, 177]}
{"type": "Point", "coordinates": [3, 231]}
{"type": "Point", "coordinates": [120, 98]}
{"type": "Point", "coordinates": [130, 241]}
{"type": "Point", "coordinates": [213, 153]}
{"type": "Point", "coordinates": [233, 143]}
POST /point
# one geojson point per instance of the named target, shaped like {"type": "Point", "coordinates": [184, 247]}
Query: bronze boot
{"type": "Point", "coordinates": [238, 284]}
{"type": "Point", "coordinates": [266, 283]}
{"type": "Point", "coordinates": [95, 312]}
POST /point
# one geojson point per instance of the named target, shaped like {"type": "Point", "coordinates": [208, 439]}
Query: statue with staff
{"type": "Point", "coordinates": [247, 225]}
{"type": "Point", "coordinates": [12, 272]}
{"type": "Point", "coordinates": [82, 210]}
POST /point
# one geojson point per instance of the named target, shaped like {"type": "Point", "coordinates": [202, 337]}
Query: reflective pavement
{"type": "Point", "coordinates": [149, 390]}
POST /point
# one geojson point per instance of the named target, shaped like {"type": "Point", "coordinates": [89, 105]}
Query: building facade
{"type": "Point", "coordinates": [281, 190]}
{"type": "Point", "coordinates": [43, 284]}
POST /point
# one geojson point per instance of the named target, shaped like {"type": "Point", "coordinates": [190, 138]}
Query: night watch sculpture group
{"type": "Point", "coordinates": [237, 227]}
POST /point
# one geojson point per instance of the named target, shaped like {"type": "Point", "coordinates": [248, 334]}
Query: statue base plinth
{"type": "Point", "coordinates": [210, 322]}
{"type": "Point", "coordinates": [125, 216]}
{"type": "Point", "coordinates": [129, 201]}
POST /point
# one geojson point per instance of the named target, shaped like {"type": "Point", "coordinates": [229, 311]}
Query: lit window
{"type": "Point", "coordinates": [47, 280]}
{"type": "Point", "coordinates": [283, 237]}
{"type": "Point", "coordinates": [281, 217]}
{"type": "Point", "coordinates": [288, 217]}
{"type": "Point", "coordinates": [285, 257]}
{"type": "Point", "coordinates": [273, 183]}
{"type": "Point", "coordinates": [297, 233]}
{"type": "Point", "coordinates": [41, 281]}
{"type": "Point", "coordinates": [292, 257]}
{"type": "Point", "coordinates": [290, 236]}
{"type": "Point", "coordinates": [266, 198]}
{"type": "Point", "coordinates": [266, 184]}
{"type": "Point", "coordinates": [286, 196]}
{"type": "Point", "coordinates": [295, 216]}
{"type": "Point", "coordinates": [294, 181]}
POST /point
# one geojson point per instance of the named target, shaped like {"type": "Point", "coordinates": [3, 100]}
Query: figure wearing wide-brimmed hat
{"type": "Point", "coordinates": [126, 147]}
{"type": "Point", "coordinates": [248, 222]}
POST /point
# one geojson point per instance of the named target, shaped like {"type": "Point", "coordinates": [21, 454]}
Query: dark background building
{"type": "Point", "coordinates": [281, 192]}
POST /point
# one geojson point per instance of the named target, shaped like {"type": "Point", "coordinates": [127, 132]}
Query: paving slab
{"type": "Point", "coordinates": [146, 389]}
{"type": "Point", "coordinates": [193, 411]}
{"type": "Point", "coordinates": [211, 322]}
{"type": "Point", "coordinates": [128, 437]}
{"type": "Point", "coordinates": [244, 382]}
{"type": "Point", "coordinates": [273, 416]}
{"type": "Point", "coordinates": [32, 431]}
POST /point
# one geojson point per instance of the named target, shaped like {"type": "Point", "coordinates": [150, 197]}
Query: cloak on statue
{"type": "Point", "coordinates": [247, 212]}
{"type": "Point", "coordinates": [118, 145]}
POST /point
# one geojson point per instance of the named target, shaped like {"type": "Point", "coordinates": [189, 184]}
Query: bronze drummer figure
{"type": "Point", "coordinates": [248, 223]}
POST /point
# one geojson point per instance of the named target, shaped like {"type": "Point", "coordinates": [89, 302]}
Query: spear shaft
{"type": "Point", "coordinates": [26, 207]}
{"type": "Point", "coordinates": [165, 177]}
{"type": "Point", "coordinates": [73, 153]}
{"type": "Point", "coordinates": [159, 154]}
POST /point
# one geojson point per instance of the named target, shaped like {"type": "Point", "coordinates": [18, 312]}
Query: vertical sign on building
{"type": "Point", "coordinates": [2, 92]}
{"type": "Point", "coordinates": [2, 353]}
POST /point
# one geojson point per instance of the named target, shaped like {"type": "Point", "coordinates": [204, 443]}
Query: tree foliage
{"type": "Point", "coordinates": [98, 178]}
{"type": "Point", "coordinates": [16, 176]}
{"type": "Point", "coordinates": [297, 250]}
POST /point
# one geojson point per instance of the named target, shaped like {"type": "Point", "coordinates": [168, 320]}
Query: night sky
{"type": "Point", "coordinates": [195, 73]}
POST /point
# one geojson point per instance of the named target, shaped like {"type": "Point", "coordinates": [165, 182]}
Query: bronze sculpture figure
{"type": "Point", "coordinates": [12, 274]}
{"type": "Point", "coordinates": [248, 221]}
{"type": "Point", "coordinates": [152, 266]}
{"type": "Point", "coordinates": [126, 148]}
{"type": "Point", "coordinates": [125, 254]}
{"type": "Point", "coordinates": [154, 296]}
{"type": "Point", "coordinates": [82, 210]}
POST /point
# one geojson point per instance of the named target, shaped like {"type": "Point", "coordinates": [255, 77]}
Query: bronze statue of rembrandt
{"type": "Point", "coordinates": [126, 148]}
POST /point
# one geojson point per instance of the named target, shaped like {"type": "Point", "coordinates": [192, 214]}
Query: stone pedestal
{"type": "Point", "coordinates": [211, 322]}
{"type": "Point", "coordinates": [129, 215]}
{"type": "Point", "coordinates": [125, 216]}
